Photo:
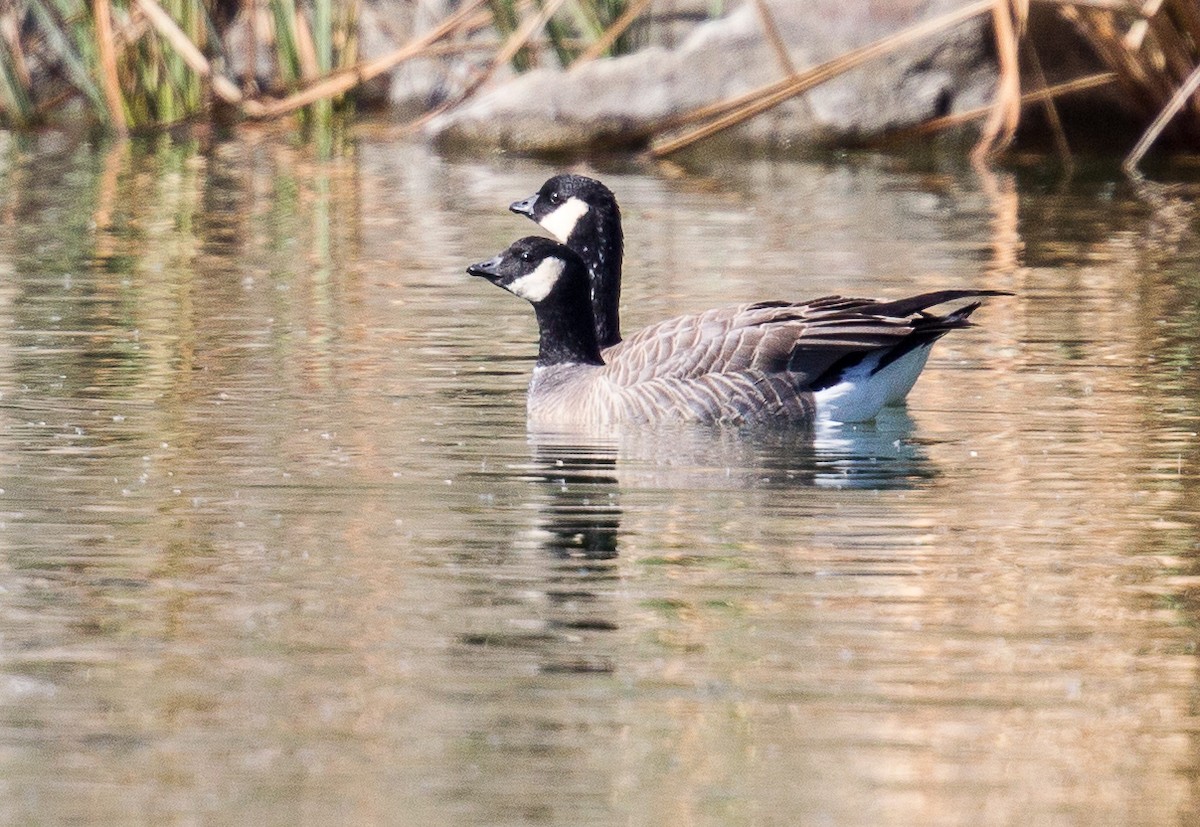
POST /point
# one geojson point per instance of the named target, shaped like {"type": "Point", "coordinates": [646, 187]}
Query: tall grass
{"type": "Point", "coordinates": [134, 64]}
{"type": "Point", "coordinates": [138, 64]}
{"type": "Point", "coordinates": [569, 32]}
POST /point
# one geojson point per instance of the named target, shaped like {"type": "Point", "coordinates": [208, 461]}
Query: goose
{"type": "Point", "coordinates": [582, 213]}
{"type": "Point", "coordinates": [825, 361]}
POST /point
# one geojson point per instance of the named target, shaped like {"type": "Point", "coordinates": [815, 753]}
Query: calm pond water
{"type": "Point", "coordinates": [276, 547]}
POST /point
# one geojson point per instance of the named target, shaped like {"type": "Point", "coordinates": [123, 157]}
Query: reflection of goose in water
{"type": "Point", "coordinates": [546, 597]}
{"type": "Point", "coordinates": [578, 506]}
{"type": "Point", "coordinates": [875, 455]}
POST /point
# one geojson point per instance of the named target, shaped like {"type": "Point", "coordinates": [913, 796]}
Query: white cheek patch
{"type": "Point", "coordinates": [537, 285]}
{"type": "Point", "coordinates": [562, 221]}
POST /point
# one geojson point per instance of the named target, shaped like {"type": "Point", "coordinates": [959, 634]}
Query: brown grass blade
{"type": "Point", "coordinates": [345, 80]}
{"type": "Point", "coordinates": [518, 39]}
{"type": "Point", "coordinates": [1037, 96]}
{"type": "Point", "coordinates": [169, 31]}
{"type": "Point", "coordinates": [524, 33]}
{"type": "Point", "coordinates": [632, 12]}
{"type": "Point", "coordinates": [1001, 125]}
{"type": "Point", "coordinates": [306, 52]}
{"type": "Point", "coordinates": [774, 38]}
{"type": "Point", "coordinates": [1096, 27]}
{"type": "Point", "coordinates": [1177, 102]}
{"type": "Point", "coordinates": [1048, 106]}
{"type": "Point", "coordinates": [9, 30]}
{"type": "Point", "coordinates": [109, 81]}
{"type": "Point", "coordinates": [776, 93]}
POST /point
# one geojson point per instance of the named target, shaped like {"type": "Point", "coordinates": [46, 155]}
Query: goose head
{"type": "Point", "coordinates": [554, 280]}
{"type": "Point", "coordinates": [569, 205]}
{"type": "Point", "coordinates": [532, 268]}
{"type": "Point", "coordinates": [583, 214]}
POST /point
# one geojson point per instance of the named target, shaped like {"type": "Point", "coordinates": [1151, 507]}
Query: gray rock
{"type": "Point", "coordinates": [620, 101]}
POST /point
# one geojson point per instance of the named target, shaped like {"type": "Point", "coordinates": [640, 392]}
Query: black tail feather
{"type": "Point", "coordinates": [927, 328]}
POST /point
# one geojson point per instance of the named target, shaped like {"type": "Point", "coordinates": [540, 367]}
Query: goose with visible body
{"type": "Point", "coordinates": [583, 214]}
{"type": "Point", "coordinates": [827, 360]}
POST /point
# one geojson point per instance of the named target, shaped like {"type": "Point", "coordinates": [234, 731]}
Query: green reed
{"type": "Point", "coordinates": [569, 33]}
{"type": "Point", "coordinates": [52, 58]}
{"type": "Point", "coordinates": [146, 64]}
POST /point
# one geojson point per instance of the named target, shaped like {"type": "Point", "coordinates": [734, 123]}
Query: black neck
{"type": "Point", "coordinates": [566, 328]}
{"type": "Point", "coordinates": [599, 241]}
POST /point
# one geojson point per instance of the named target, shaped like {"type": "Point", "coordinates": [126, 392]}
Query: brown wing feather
{"type": "Point", "coordinates": [803, 338]}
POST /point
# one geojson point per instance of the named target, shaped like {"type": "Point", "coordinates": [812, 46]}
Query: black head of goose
{"type": "Point", "coordinates": [837, 361]}
{"type": "Point", "coordinates": [583, 214]}
{"type": "Point", "coordinates": [553, 279]}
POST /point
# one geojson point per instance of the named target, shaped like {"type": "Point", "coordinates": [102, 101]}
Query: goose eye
{"type": "Point", "coordinates": [525, 255]}
{"type": "Point", "coordinates": [556, 197]}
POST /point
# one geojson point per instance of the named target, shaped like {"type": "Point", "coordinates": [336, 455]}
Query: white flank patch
{"type": "Point", "coordinates": [902, 374]}
{"type": "Point", "coordinates": [537, 285]}
{"type": "Point", "coordinates": [860, 395]}
{"type": "Point", "coordinates": [562, 221]}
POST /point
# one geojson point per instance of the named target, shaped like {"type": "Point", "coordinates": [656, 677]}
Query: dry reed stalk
{"type": "Point", "coordinates": [531, 27]}
{"type": "Point", "coordinates": [1008, 19]}
{"type": "Point", "coordinates": [167, 28]}
{"type": "Point", "coordinates": [109, 80]}
{"type": "Point", "coordinates": [1048, 106]}
{"type": "Point", "coordinates": [1103, 5]}
{"type": "Point", "coordinates": [1037, 96]}
{"type": "Point", "coordinates": [1098, 30]}
{"type": "Point", "coordinates": [632, 12]}
{"type": "Point", "coordinates": [776, 93]}
{"type": "Point", "coordinates": [516, 41]}
{"type": "Point", "coordinates": [12, 37]}
{"type": "Point", "coordinates": [1177, 102]}
{"type": "Point", "coordinates": [1175, 53]}
{"type": "Point", "coordinates": [1174, 50]}
{"type": "Point", "coordinates": [306, 51]}
{"type": "Point", "coordinates": [340, 82]}
{"type": "Point", "coordinates": [774, 38]}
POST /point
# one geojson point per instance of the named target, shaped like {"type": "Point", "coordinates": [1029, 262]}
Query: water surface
{"type": "Point", "coordinates": [277, 548]}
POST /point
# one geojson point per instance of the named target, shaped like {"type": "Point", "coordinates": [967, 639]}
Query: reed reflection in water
{"type": "Point", "coordinates": [276, 546]}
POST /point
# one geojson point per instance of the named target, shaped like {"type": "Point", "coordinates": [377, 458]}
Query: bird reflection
{"type": "Point", "coordinates": [557, 602]}
{"type": "Point", "coordinates": [878, 455]}
{"type": "Point", "coordinates": [577, 480]}
{"type": "Point", "coordinates": [582, 514]}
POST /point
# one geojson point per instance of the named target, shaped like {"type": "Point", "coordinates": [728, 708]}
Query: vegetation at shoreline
{"type": "Point", "coordinates": [144, 64]}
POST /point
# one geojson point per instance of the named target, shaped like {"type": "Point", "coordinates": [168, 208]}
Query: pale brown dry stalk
{"type": "Point", "coordinates": [1058, 90]}
{"type": "Point", "coordinates": [774, 38]}
{"type": "Point", "coordinates": [770, 96]}
{"type": "Point", "coordinates": [12, 38]}
{"type": "Point", "coordinates": [1048, 106]}
{"type": "Point", "coordinates": [1181, 96]}
{"type": "Point", "coordinates": [306, 51]}
{"type": "Point", "coordinates": [110, 82]}
{"type": "Point", "coordinates": [346, 79]}
{"type": "Point", "coordinates": [528, 29]}
{"type": "Point", "coordinates": [1008, 17]}
{"type": "Point", "coordinates": [632, 12]}
{"type": "Point", "coordinates": [196, 61]}
{"type": "Point", "coordinates": [1098, 29]}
